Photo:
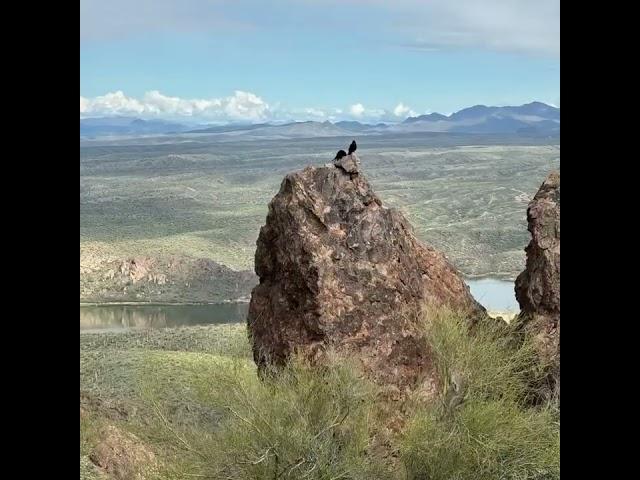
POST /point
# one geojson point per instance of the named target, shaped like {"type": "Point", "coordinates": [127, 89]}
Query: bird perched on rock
{"type": "Point", "coordinates": [352, 147]}
{"type": "Point", "coordinates": [340, 154]}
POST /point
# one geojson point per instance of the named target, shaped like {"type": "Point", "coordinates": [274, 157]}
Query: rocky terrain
{"type": "Point", "coordinates": [538, 286]}
{"type": "Point", "coordinates": [339, 269]}
{"type": "Point", "coordinates": [162, 279]}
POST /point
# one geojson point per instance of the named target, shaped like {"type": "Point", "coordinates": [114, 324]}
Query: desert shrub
{"type": "Point", "coordinates": [298, 422]}
{"type": "Point", "coordinates": [491, 433]}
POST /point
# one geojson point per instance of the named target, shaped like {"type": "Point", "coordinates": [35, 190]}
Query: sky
{"type": "Point", "coordinates": [217, 61]}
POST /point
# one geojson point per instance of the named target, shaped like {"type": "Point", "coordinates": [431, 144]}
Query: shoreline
{"type": "Point", "coordinates": [159, 304]}
{"type": "Point", "coordinates": [491, 276]}
{"type": "Point", "coordinates": [241, 300]}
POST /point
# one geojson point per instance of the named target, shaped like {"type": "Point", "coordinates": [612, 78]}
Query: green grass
{"type": "Point", "coordinates": [193, 396]}
{"type": "Point", "coordinates": [490, 439]}
{"type": "Point", "coordinates": [492, 434]}
{"type": "Point", "coordinates": [297, 424]}
{"type": "Point", "coordinates": [228, 340]}
{"type": "Point", "coordinates": [492, 360]}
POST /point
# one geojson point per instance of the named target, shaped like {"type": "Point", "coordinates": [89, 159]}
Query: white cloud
{"type": "Point", "coordinates": [314, 112]}
{"type": "Point", "coordinates": [361, 113]}
{"type": "Point", "coordinates": [356, 110]}
{"type": "Point", "coordinates": [114, 103]}
{"type": "Point", "coordinates": [157, 103]}
{"type": "Point", "coordinates": [503, 25]}
{"type": "Point", "coordinates": [246, 106]}
{"type": "Point", "coordinates": [117, 19]}
{"type": "Point", "coordinates": [520, 26]}
{"type": "Point", "coordinates": [402, 110]}
{"type": "Point", "coordinates": [240, 106]}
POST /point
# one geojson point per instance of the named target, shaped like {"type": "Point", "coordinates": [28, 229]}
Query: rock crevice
{"type": "Point", "coordinates": [538, 286]}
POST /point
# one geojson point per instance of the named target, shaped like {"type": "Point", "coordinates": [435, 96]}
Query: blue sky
{"type": "Point", "coordinates": [217, 61]}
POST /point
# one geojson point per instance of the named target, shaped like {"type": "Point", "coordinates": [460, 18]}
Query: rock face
{"type": "Point", "coordinates": [339, 269]}
{"type": "Point", "coordinates": [158, 278]}
{"type": "Point", "coordinates": [348, 163]}
{"type": "Point", "coordinates": [538, 286]}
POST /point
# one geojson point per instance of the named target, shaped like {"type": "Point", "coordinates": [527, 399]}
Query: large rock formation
{"type": "Point", "coordinates": [339, 269]}
{"type": "Point", "coordinates": [160, 278]}
{"type": "Point", "coordinates": [538, 286]}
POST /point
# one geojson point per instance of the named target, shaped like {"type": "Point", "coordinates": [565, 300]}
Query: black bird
{"type": "Point", "coordinates": [340, 154]}
{"type": "Point", "coordinates": [352, 147]}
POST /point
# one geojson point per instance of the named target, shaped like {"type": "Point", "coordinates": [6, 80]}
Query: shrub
{"type": "Point", "coordinates": [491, 433]}
{"type": "Point", "coordinates": [300, 422]}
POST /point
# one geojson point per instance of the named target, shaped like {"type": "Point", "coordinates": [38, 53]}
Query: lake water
{"type": "Point", "coordinates": [126, 317]}
{"type": "Point", "coordinates": [495, 295]}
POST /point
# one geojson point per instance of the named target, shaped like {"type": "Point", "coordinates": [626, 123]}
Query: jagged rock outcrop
{"type": "Point", "coordinates": [337, 268]}
{"type": "Point", "coordinates": [160, 278]}
{"type": "Point", "coordinates": [538, 286]}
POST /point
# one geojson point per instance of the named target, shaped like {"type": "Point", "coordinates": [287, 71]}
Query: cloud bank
{"type": "Point", "coordinates": [241, 106]}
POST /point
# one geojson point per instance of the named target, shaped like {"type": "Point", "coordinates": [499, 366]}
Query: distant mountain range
{"type": "Point", "coordinates": [534, 118]}
{"type": "Point", "coordinates": [107, 126]}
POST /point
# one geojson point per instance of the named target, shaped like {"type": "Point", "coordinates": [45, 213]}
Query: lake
{"type": "Point", "coordinates": [125, 317]}
{"type": "Point", "coordinates": [495, 295]}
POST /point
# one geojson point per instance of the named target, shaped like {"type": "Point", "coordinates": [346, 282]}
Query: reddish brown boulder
{"type": "Point", "coordinates": [538, 286]}
{"type": "Point", "coordinates": [339, 269]}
